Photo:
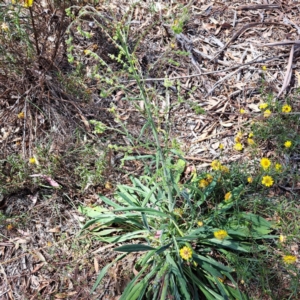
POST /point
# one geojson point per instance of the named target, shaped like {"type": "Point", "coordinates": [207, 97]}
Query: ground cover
{"type": "Point", "coordinates": [167, 131]}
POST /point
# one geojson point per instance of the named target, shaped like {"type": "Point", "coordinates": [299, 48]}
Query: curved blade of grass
{"type": "Point", "coordinates": [226, 244]}
{"type": "Point", "coordinates": [211, 261]}
{"type": "Point", "coordinates": [163, 248]}
{"type": "Point", "coordinates": [110, 202]}
{"type": "Point", "coordinates": [149, 211]}
{"type": "Point", "coordinates": [134, 248]}
{"type": "Point", "coordinates": [134, 291]}
{"type": "Point", "coordinates": [179, 277]}
{"type": "Point", "coordinates": [104, 270]}
{"type": "Point", "coordinates": [138, 234]}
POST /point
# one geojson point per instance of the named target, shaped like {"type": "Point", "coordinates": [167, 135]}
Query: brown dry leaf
{"type": "Point", "coordinates": [37, 267]}
{"type": "Point", "coordinates": [228, 124]}
{"type": "Point", "coordinates": [40, 256]}
{"type": "Point", "coordinates": [254, 107]}
{"type": "Point", "coordinates": [215, 145]}
{"type": "Point", "coordinates": [54, 230]}
{"type": "Point", "coordinates": [96, 265]}
{"type": "Point", "coordinates": [208, 26]}
{"type": "Point", "coordinates": [61, 295]}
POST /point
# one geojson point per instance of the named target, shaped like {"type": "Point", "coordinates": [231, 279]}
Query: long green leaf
{"type": "Point", "coordinates": [104, 270]}
{"type": "Point", "coordinates": [226, 244]}
{"type": "Point", "coordinates": [109, 202]}
{"type": "Point", "coordinates": [134, 248]}
{"type": "Point", "coordinates": [149, 211]}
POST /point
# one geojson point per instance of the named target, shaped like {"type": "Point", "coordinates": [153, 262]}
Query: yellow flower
{"type": "Point", "coordinates": [278, 167]}
{"type": "Point", "coordinates": [224, 169]}
{"type": "Point", "coordinates": [28, 3]}
{"type": "Point", "coordinates": [209, 178]}
{"type": "Point", "coordinates": [250, 141]}
{"type": "Point", "coordinates": [242, 111]}
{"type": "Point", "coordinates": [220, 234]}
{"type": "Point", "coordinates": [185, 253]}
{"type": "Point", "coordinates": [251, 134]}
{"type": "Point", "coordinates": [108, 185]}
{"type": "Point", "coordinates": [267, 113]}
{"type": "Point", "coordinates": [86, 51]}
{"type": "Point", "coordinates": [287, 144]}
{"type": "Point", "coordinates": [221, 146]}
{"type": "Point", "coordinates": [203, 183]}
{"type": "Point", "coordinates": [216, 165]}
{"type": "Point", "coordinates": [286, 108]}
{"type": "Point", "coordinates": [32, 160]}
{"type": "Point", "coordinates": [250, 179]}
{"type": "Point", "coordinates": [238, 147]}
{"type": "Point", "coordinates": [263, 106]}
{"type": "Point", "coordinates": [4, 27]}
{"type": "Point", "coordinates": [178, 211]}
{"type": "Point", "coordinates": [282, 238]}
{"type": "Point", "coordinates": [227, 197]}
{"type": "Point", "coordinates": [9, 227]}
{"type": "Point", "coordinates": [264, 68]}
{"type": "Point", "coordinates": [289, 259]}
{"type": "Point", "coordinates": [21, 115]}
{"type": "Point", "coordinates": [238, 137]}
{"type": "Point", "coordinates": [267, 181]}
{"type": "Point", "coordinates": [265, 163]}
{"type": "Point", "coordinates": [200, 223]}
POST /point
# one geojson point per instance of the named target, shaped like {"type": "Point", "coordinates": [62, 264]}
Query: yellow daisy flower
{"type": "Point", "coordinates": [289, 259]}
{"type": "Point", "coordinates": [287, 144]}
{"type": "Point", "coordinates": [278, 167]}
{"type": "Point", "coordinates": [209, 178]}
{"type": "Point", "coordinates": [264, 68]}
{"type": "Point", "coordinates": [238, 137]}
{"type": "Point", "coordinates": [32, 160]}
{"type": "Point", "coordinates": [267, 113]}
{"type": "Point", "coordinates": [28, 3]}
{"type": "Point", "coordinates": [286, 108]}
{"type": "Point", "coordinates": [238, 147]}
{"type": "Point", "coordinates": [186, 253]}
{"type": "Point", "coordinates": [21, 115]}
{"type": "Point", "coordinates": [203, 183]}
{"type": "Point", "coordinates": [216, 165]}
{"type": "Point", "coordinates": [250, 142]}
{"type": "Point", "coordinates": [220, 234]}
{"type": "Point", "coordinates": [250, 179]}
{"type": "Point", "coordinates": [265, 163]}
{"type": "Point", "coordinates": [4, 27]}
{"type": "Point", "coordinates": [242, 111]}
{"type": "Point", "coordinates": [282, 238]}
{"type": "Point", "coordinates": [224, 169]}
{"type": "Point", "coordinates": [221, 146]}
{"type": "Point", "coordinates": [251, 134]}
{"type": "Point", "coordinates": [200, 223]}
{"type": "Point", "coordinates": [227, 197]}
{"type": "Point", "coordinates": [267, 181]}
{"type": "Point", "coordinates": [263, 106]}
